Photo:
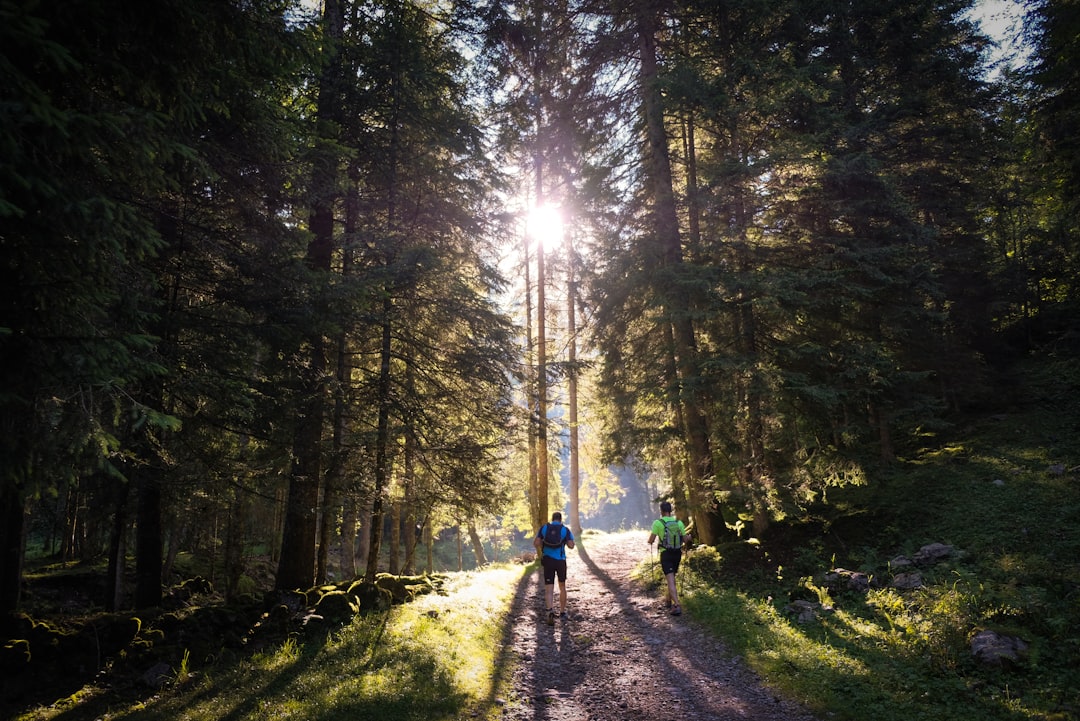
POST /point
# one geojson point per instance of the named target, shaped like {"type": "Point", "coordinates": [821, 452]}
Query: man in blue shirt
{"type": "Point", "coordinates": [551, 543]}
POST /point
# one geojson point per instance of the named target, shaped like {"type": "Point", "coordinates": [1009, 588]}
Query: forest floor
{"type": "Point", "coordinates": [621, 656]}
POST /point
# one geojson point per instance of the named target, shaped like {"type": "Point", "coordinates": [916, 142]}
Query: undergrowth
{"type": "Point", "coordinates": [1002, 491]}
{"type": "Point", "coordinates": [432, 658]}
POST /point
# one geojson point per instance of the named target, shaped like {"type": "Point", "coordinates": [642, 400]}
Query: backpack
{"type": "Point", "coordinates": [554, 536]}
{"type": "Point", "coordinates": [671, 540]}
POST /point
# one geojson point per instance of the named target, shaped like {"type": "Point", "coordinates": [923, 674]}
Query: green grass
{"type": "Point", "coordinates": [433, 658]}
{"type": "Point", "coordinates": [893, 655]}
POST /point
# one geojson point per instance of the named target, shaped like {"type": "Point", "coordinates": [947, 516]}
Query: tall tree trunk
{"type": "Point", "coordinates": [675, 296]}
{"type": "Point", "coordinates": [348, 538]}
{"type": "Point", "coordinates": [12, 525]}
{"type": "Point", "coordinates": [382, 445]}
{"type": "Point", "coordinates": [530, 396]}
{"type": "Point", "coordinates": [571, 323]}
{"type": "Point", "coordinates": [148, 535]}
{"type": "Point", "coordinates": [114, 575]}
{"type": "Point", "coordinates": [429, 545]}
{"type": "Point", "coordinates": [363, 538]}
{"type": "Point", "coordinates": [395, 537]}
{"type": "Point", "coordinates": [477, 546]}
{"type": "Point", "coordinates": [296, 568]}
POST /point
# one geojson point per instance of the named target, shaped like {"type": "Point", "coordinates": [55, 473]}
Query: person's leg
{"type": "Point", "coordinates": [673, 591]}
{"type": "Point", "coordinates": [548, 565]}
{"type": "Point", "coordinates": [561, 570]}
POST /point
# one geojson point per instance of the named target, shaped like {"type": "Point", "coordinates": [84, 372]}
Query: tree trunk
{"type": "Point", "coordinates": [348, 539]}
{"type": "Point", "coordinates": [114, 575]}
{"type": "Point", "coordinates": [571, 323]}
{"type": "Point", "coordinates": [12, 523]}
{"type": "Point", "coordinates": [382, 446]}
{"type": "Point", "coordinates": [675, 297]}
{"type": "Point", "coordinates": [296, 568]}
{"type": "Point", "coordinates": [429, 544]}
{"type": "Point", "coordinates": [477, 545]}
{"type": "Point", "coordinates": [395, 537]}
{"type": "Point", "coordinates": [148, 534]}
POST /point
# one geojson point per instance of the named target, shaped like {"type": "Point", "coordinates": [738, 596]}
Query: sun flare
{"type": "Point", "coordinates": [545, 225]}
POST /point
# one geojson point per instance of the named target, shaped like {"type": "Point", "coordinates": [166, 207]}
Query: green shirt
{"type": "Point", "coordinates": [677, 525]}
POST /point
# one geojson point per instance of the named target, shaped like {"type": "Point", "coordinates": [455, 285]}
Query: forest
{"type": "Point", "coordinates": [275, 291]}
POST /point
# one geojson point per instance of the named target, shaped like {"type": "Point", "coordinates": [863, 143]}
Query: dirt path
{"type": "Point", "coordinates": [621, 657]}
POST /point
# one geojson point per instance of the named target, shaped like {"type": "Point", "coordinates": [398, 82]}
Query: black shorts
{"type": "Point", "coordinates": [553, 567]}
{"type": "Point", "coordinates": [670, 559]}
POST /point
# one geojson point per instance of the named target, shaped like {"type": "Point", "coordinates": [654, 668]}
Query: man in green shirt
{"type": "Point", "coordinates": [671, 532]}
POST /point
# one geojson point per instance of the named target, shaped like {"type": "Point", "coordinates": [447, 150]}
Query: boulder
{"type": "Point", "coordinates": [845, 580]}
{"type": "Point", "coordinates": [907, 581]}
{"type": "Point", "coordinates": [932, 553]}
{"type": "Point", "coordinates": [994, 649]}
{"type": "Point", "coordinates": [804, 611]}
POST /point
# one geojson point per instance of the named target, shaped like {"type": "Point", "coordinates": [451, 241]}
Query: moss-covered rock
{"type": "Point", "coordinates": [337, 607]}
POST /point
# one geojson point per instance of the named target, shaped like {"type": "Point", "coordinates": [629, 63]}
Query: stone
{"type": "Point", "coordinates": [994, 649]}
{"type": "Point", "coordinates": [907, 581]}
{"type": "Point", "coordinates": [932, 553]}
{"type": "Point", "coordinates": [851, 580]}
{"type": "Point", "coordinates": [157, 675]}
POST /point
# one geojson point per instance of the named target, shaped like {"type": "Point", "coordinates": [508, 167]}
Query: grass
{"type": "Point", "coordinates": [1004, 491]}
{"type": "Point", "coordinates": [433, 658]}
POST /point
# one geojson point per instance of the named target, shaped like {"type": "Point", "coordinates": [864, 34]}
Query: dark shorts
{"type": "Point", "coordinates": [553, 567]}
{"type": "Point", "coordinates": [669, 561]}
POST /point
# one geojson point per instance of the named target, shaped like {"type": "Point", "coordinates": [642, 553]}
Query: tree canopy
{"type": "Point", "coordinates": [266, 288]}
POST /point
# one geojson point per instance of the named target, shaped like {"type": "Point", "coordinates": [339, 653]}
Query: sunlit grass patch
{"type": "Point", "coordinates": [434, 658]}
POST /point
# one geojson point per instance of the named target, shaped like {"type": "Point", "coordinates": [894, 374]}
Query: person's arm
{"type": "Point", "coordinates": [538, 542]}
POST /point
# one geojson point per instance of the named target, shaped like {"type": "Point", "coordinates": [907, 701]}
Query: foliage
{"type": "Point", "coordinates": [1003, 497]}
{"type": "Point", "coordinates": [437, 657]}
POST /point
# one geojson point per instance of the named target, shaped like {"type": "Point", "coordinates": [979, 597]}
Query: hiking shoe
{"type": "Point", "coordinates": [676, 611]}
{"type": "Point", "coordinates": [563, 616]}
{"type": "Point", "coordinates": [550, 617]}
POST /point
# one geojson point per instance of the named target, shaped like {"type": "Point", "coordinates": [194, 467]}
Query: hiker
{"type": "Point", "coordinates": [551, 543]}
{"type": "Point", "coordinates": [671, 532]}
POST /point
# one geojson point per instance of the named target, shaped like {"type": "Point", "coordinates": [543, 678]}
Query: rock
{"type": "Point", "coordinates": [1056, 469]}
{"type": "Point", "coordinates": [900, 562]}
{"type": "Point", "coordinates": [907, 581]}
{"type": "Point", "coordinates": [850, 580]}
{"type": "Point", "coordinates": [157, 675]}
{"type": "Point", "coordinates": [337, 607]}
{"type": "Point", "coordinates": [932, 553]}
{"type": "Point", "coordinates": [804, 611]}
{"type": "Point", "coordinates": [993, 649]}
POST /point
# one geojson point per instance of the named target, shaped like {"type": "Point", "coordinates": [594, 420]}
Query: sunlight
{"type": "Point", "coordinates": [545, 225]}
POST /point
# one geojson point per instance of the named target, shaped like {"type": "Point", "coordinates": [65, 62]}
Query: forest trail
{"type": "Point", "coordinates": [621, 657]}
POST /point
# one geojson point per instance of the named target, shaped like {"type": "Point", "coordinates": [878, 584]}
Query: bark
{"type": "Point", "coordinates": [148, 544]}
{"type": "Point", "coordinates": [348, 539]}
{"type": "Point", "coordinates": [12, 535]}
{"type": "Point", "coordinates": [675, 297]}
{"type": "Point", "coordinates": [382, 443]}
{"type": "Point", "coordinates": [478, 546]}
{"type": "Point", "coordinates": [395, 538]}
{"type": "Point", "coordinates": [296, 568]}
{"type": "Point", "coordinates": [571, 322]}
{"type": "Point", "coordinates": [114, 576]}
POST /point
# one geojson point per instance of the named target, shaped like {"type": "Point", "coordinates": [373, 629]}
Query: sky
{"type": "Point", "coordinates": [1000, 19]}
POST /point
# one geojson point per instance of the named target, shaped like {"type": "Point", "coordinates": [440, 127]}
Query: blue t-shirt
{"type": "Point", "coordinates": [556, 552]}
